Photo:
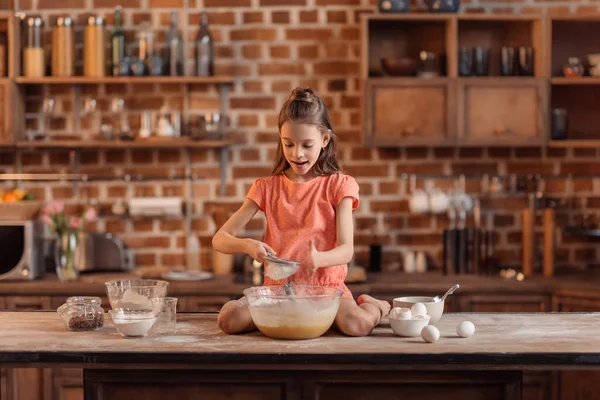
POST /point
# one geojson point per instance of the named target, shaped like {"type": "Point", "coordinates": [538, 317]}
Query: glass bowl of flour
{"type": "Point", "coordinates": [135, 294]}
{"type": "Point", "coordinates": [306, 312]}
{"type": "Point", "coordinates": [134, 323]}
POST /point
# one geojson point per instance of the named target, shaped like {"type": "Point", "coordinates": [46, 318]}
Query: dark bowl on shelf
{"type": "Point", "coordinates": [401, 67]}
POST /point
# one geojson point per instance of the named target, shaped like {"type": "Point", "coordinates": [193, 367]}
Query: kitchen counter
{"type": "Point", "coordinates": [332, 366]}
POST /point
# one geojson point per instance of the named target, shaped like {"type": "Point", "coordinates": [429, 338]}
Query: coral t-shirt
{"type": "Point", "coordinates": [298, 212]}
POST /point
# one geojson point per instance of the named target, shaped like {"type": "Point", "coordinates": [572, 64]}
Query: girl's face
{"type": "Point", "coordinates": [302, 144]}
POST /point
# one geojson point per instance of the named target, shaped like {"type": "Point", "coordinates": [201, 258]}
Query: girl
{"type": "Point", "coordinates": [308, 206]}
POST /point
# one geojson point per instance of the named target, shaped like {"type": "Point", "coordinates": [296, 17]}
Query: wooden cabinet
{"type": "Point", "coordinates": [202, 303]}
{"type": "Point", "coordinates": [67, 384]}
{"type": "Point", "coordinates": [402, 112]}
{"type": "Point", "coordinates": [575, 304]}
{"type": "Point", "coordinates": [502, 111]}
{"type": "Point", "coordinates": [505, 303]}
{"type": "Point", "coordinates": [539, 385]}
{"type": "Point", "coordinates": [27, 303]}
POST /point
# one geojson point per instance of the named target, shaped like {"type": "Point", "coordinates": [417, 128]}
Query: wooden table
{"type": "Point", "coordinates": [201, 362]}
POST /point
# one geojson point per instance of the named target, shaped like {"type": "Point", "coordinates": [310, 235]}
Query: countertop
{"type": "Point", "coordinates": [501, 341]}
{"type": "Point", "coordinates": [377, 283]}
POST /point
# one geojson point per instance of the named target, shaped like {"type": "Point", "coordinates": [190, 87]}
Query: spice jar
{"type": "Point", "coordinates": [574, 67]}
{"type": "Point", "coordinates": [63, 47]}
{"type": "Point", "coordinates": [93, 47]}
{"type": "Point", "coordinates": [82, 314]}
{"type": "Point", "coordinates": [33, 53]}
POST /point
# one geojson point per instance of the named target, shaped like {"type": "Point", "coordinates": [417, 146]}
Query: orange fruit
{"type": "Point", "coordinates": [10, 198]}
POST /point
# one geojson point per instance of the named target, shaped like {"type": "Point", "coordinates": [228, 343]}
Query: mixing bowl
{"type": "Point", "coordinates": [306, 314]}
{"type": "Point", "coordinates": [409, 327]}
{"type": "Point", "coordinates": [135, 294]}
{"type": "Point", "coordinates": [434, 309]}
{"type": "Point", "coordinates": [133, 323]}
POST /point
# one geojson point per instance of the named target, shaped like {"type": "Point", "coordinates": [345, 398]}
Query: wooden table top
{"type": "Point", "coordinates": [501, 341]}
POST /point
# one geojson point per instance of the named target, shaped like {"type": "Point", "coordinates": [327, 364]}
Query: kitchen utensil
{"type": "Point", "coordinates": [437, 299]}
{"type": "Point", "coordinates": [280, 268]}
{"type": "Point", "coordinates": [306, 315]}
{"type": "Point", "coordinates": [133, 323]}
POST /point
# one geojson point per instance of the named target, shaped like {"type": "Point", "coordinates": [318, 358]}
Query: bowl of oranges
{"type": "Point", "coordinates": [18, 205]}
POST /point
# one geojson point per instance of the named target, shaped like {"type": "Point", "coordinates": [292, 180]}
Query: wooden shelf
{"type": "Point", "coordinates": [135, 144]}
{"type": "Point", "coordinates": [574, 143]}
{"type": "Point", "coordinates": [51, 80]}
{"type": "Point", "coordinates": [584, 80]}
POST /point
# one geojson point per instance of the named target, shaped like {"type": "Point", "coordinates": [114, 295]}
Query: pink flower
{"type": "Point", "coordinates": [47, 220]}
{"type": "Point", "coordinates": [54, 207]}
{"type": "Point", "coordinates": [60, 206]}
{"type": "Point", "coordinates": [90, 214]}
{"type": "Point", "coordinates": [75, 222]}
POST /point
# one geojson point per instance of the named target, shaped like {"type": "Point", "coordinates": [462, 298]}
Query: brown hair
{"type": "Point", "coordinates": [305, 107]}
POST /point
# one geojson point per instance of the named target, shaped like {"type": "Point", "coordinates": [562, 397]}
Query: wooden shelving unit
{"type": "Point", "coordinates": [135, 144]}
{"type": "Point", "coordinates": [451, 110]}
{"type": "Point", "coordinates": [78, 80]}
{"type": "Point", "coordinates": [584, 80]}
{"type": "Point", "coordinates": [574, 143]}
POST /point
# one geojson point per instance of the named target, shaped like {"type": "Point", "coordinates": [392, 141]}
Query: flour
{"type": "Point", "coordinates": [134, 325]}
{"type": "Point", "coordinates": [134, 301]}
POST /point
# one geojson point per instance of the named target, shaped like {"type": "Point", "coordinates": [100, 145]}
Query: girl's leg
{"type": "Point", "coordinates": [360, 319]}
{"type": "Point", "coordinates": [235, 317]}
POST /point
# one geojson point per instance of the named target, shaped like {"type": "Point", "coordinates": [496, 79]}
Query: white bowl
{"type": "Point", "coordinates": [593, 59]}
{"type": "Point", "coordinates": [409, 327]}
{"type": "Point", "coordinates": [435, 310]}
{"type": "Point", "coordinates": [133, 323]}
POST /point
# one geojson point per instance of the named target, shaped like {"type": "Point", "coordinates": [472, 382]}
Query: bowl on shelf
{"type": "Point", "coordinates": [136, 294]}
{"type": "Point", "coordinates": [404, 66]}
{"type": "Point", "coordinates": [435, 310]}
{"type": "Point", "coordinates": [409, 327]}
{"type": "Point", "coordinates": [306, 313]}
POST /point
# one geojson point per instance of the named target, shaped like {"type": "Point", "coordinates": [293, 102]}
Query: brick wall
{"type": "Point", "coordinates": [271, 46]}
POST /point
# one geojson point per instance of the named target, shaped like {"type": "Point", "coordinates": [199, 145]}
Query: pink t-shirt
{"type": "Point", "coordinates": [299, 212]}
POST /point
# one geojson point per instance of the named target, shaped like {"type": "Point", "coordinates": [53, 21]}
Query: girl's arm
{"type": "Point", "coordinates": [344, 251]}
{"type": "Point", "coordinates": [225, 240]}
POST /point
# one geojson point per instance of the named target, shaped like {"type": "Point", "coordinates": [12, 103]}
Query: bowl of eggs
{"type": "Point", "coordinates": [409, 322]}
{"type": "Point", "coordinates": [434, 309]}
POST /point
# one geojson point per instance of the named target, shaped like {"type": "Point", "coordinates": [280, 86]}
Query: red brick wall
{"type": "Point", "coordinates": [271, 46]}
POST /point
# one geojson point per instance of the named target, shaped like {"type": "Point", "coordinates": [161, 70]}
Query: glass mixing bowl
{"type": "Point", "coordinates": [306, 314]}
{"type": "Point", "coordinates": [135, 294]}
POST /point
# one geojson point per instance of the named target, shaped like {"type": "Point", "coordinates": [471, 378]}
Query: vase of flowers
{"type": "Point", "coordinates": [67, 229]}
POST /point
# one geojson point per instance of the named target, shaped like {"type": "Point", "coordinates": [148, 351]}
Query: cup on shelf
{"type": "Point", "coordinates": [507, 61]}
{"type": "Point", "coordinates": [466, 61]}
{"type": "Point", "coordinates": [409, 262]}
{"type": "Point", "coordinates": [526, 61]}
{"type": "Point", "coordinates": [559, 124]}
{"type": "Point", "coordinates": [481, 61]}
{"type": "Point", "coordinates": [421, 263]}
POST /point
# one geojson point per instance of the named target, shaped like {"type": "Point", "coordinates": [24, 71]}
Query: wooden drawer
{"type": "Point", "coordinates": [27, 303]}
{"type": "Point", "coordinates": [202, 303]}
{"type": "Point", "coordinates": [502, 111]}
{"type": "Point", "coordinates": [409, 112]}
{"type": "Point", "coordinates": [575, 304]}
{"type": "Point", "coordinates": [505, 303]}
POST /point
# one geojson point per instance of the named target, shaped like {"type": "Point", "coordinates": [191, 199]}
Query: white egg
{"type": "Point", "coordinates": [418, 317]}
{"type": "Point", "coordinates": [400, 313]}
{"type": "Point", "coordinates": [419, 309]}
{"type": "Point", "coordinates": [465, 329]}
{"type": "Point", "coordinates": [430, 334]}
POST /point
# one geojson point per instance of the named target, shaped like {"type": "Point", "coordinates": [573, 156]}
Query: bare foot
{"type": "Point", "coordinates": [383, 305]}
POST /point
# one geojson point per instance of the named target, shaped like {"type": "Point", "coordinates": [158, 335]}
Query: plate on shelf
{"type": "Point", "coordinates": [187, 275]}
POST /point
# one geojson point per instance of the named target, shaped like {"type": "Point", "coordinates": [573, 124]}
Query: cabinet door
{"type": "Point", "coordinates": [505, 303]}
{"type": "Point", "coordinates": [502, 112]}
{"type": "Point", "coordinates": [67, 384]}
{"type": "Point", "coordinates": [575, 304]}
{"type": "Point", "coordinates": [409, 112]}
{"type": "Point", "coordinates": [27, 303]}
{"type": "Point", "coordinates": [203, 303]}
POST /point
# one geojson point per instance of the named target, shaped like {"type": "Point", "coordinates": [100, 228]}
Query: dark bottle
{"type": "Point", "coordinates": [117, 45]}
{"type": "Point", "coordinates": [204, 52]}
{"type": "Point", "coordinates": [174, 48]}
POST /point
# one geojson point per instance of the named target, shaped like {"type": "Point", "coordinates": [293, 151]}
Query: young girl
{"type": "Point", "coordinates": [308, 205]}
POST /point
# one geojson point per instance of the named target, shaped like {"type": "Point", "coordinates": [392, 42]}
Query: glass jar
{"type": "Point", "coordinates": [33, 52]}
{"type": "Point", "coordinates": [574, 67]}
{"type": "Point", "coordinates": [82, 313]}
{"type": "Point", "coordinates": [63, 47]}
{"type": "Point", "coordinates": [93, 47]}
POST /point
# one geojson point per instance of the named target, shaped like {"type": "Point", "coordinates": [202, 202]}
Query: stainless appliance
{"type": "Point", "coordinates": [22, 250]}
{"type": "Point", "coordinates": [102, 252]}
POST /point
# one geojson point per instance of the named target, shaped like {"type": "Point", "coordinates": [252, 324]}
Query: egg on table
{"type": "Point", "coordinates": [465, 329]}
{"type": "Point", "coordinates": [430, 334]}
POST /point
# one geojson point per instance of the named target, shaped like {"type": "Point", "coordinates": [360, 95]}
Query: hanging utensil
{"type": "Point", "coordinates": [438, 299]}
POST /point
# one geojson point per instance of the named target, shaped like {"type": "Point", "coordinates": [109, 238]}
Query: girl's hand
{"type": "Point", "coordinates": [258, 250]}
{"type": "Point", "coordinates": [315, 257]}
